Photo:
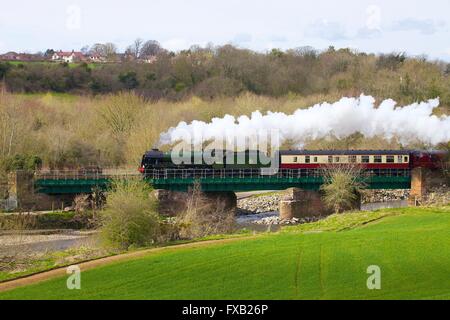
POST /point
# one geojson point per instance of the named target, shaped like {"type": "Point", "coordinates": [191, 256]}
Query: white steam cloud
{"type": "Point", "coordinates": [411, 123]}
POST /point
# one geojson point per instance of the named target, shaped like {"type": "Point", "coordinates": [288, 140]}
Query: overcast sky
{"type": "Point", "coordinates": [414, 26]}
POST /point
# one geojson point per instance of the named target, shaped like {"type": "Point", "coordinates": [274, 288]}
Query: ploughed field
{"type": "Point", "coordinates": [323, 260]}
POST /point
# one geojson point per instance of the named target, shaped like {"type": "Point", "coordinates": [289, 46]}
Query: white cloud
{"type": "Point", "coordinates": [366, 33]}
{"type": "Point", "coordinates": [424, 26]}
{"type": "Point", "coordinates": [276, 38]}
{"type": "Point", "coordinates": [329, 30]}
{"type": "Point", "coordinates": [73, 18]}
{"type": "Point", "coordinates": [373, 19]}
{"type": "Point", "coordinates": [242, 38]}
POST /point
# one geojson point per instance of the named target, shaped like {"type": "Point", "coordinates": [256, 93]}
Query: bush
{"type": "Point", "coordinates": [21, 162]}
{"type": "Point", "coordinates": [342, 187]}
{"type": "Point", "coordinates": [204, 217]}
{"type": "Point", "coordinates": [130, 218]}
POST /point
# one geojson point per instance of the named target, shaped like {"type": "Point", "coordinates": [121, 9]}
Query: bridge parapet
{"type": "Point", "coordinates": [213, 180]}
{"type": "Point", "coordinates": [252, 180]}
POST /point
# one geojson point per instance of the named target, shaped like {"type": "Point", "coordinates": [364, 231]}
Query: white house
{"type": "Point", "coordinates": [96, 58]}
{"type": "Point", "coordinates": [68, 57]}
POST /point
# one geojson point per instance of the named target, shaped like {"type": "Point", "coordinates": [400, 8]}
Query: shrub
{"type": "Point", "coordinates": [342, 187]}
{"type": "Point", "coordinates": [130, 217]}
{"type": "Point", "coordinates": [21, 162]}
{"type": "Point", "coordinates": [205, 216]}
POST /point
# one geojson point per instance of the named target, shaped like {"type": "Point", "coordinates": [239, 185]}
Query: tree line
{"type": "Point", "coordinates": [227, 71]}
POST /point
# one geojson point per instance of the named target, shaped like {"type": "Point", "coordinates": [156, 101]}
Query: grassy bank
{"type": "Point", "coordinates": [14, 267]}
{"type": "Point", "coordinates": [324, 260]}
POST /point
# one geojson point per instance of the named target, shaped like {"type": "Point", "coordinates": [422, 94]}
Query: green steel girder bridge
{"type": "Point", "coordinates": [211, 180]}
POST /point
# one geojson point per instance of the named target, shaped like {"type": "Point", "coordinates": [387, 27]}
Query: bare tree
{"type": "Point", "coordinates": [135, 49]}
{"type": "Point", "coordinates": [110, 50]}
{"type": "Point", "coordinates": [150, 48]}
{"type": "Point", "coordinates": [97, 49]}
{"type": "Point", "coordinates": [85, 50]}
{"type": "Point", "coordinates": [107, 50]}
{"type": "Point", "coordinates": [204, 216]}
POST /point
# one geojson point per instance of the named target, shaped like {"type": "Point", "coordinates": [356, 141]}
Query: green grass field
{"type": "Point", "coordinates": [326, 260]}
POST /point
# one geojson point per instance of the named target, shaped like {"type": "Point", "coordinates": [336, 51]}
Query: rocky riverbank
{"type": "Point", "coordinates": [271, 218]}
{"type": "Point", "coordinates": [437, 196]}
{"type": "Point", "coordinates": [376, 196]}
{"type": "Point", "coordinates": [259, 204]}
{"type": "Point", "coordinates": [271, 202]}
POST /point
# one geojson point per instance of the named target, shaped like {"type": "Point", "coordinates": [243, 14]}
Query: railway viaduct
{"type": "Point", "coordinates": [55, 190]}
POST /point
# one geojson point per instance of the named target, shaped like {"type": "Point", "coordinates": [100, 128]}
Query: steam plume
{"type": "Point", "coordinates": [411, 123]}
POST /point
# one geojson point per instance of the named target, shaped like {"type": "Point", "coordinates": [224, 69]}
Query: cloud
{"type": "Point", "coordinates": [368, 33]}
{"type": "Point", "coordinates": [329, 30]}
{"type": "Point", "coordinates": [373, 19]}
{"type": "Point", "coordinates": [276, 38]}
{"type": "Point", "coordinates": [424, 26]}
{"type": "Point", "coordinates": [242, 38]}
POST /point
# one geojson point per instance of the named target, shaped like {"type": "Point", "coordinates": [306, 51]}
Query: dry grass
{"type": "Point", "coordinates": [115, 130]}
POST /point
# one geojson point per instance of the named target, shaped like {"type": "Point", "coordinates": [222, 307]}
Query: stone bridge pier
{"type": "Point", "coordinates": [22, 195]}
{"type": "Point", "coordinates": [422, 180]}
{"type": "Point", "coordinates": [299, 203]}
{"type": "Point", "coordinates": [172, 203]}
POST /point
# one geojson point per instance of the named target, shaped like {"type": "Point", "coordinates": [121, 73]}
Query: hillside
{"type": "Point", "coordinates": [411, 246]}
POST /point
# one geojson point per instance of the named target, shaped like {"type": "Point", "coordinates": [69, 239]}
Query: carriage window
{"type": "Point", "coordinates": [378, 159]}
{"type": "Point", "coordinates": [352, 159]}
{"type": "Point", "coordinates": [330, 159]}
{"type": "Point", "coordinates": [316, 159]}
{"type": "Point", "coordinates": [337, 159]}
{"type": "Point", "coordinates": [365, 159]}
{"type": "Point", "coordinates": [295, 159]}
{"type": "Point", "coordinates": [406, 159]}
{"type": "Point", "coordinates": [400, 159]}
{"type": "Point", "coordinates": [307, 159]}
{"type": "Point", "coordinates": [390, 159]}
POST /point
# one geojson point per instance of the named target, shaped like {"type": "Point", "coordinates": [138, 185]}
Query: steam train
{"type": "Point", "coordinates": [302, 159]}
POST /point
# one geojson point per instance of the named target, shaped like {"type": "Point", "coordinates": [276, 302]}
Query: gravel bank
{"type": "Point", "coordinates": [23, 239]}
{"type": "Point", "coordinates": [26, 244]}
